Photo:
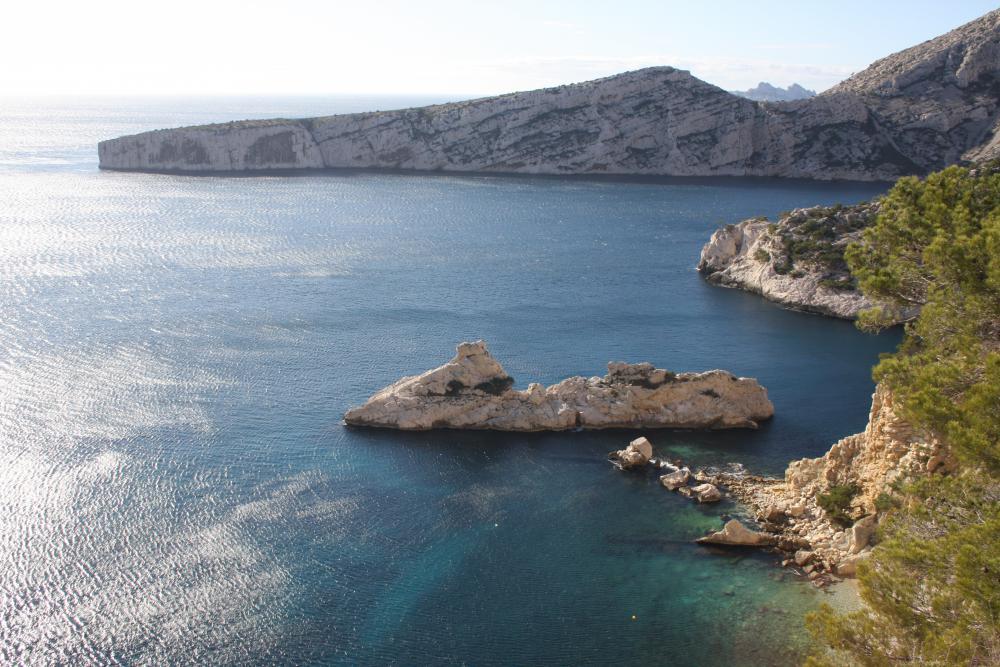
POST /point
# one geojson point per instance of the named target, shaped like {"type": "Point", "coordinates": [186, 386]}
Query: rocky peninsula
{"type": "Point", "coordinates": [473, 391]}
{"type": "Point", "coordinates": [823, 515]}
{"type": "Point", "coordinates": [913, 112]}
{"type": "Point", "coordinates": [797, 261]}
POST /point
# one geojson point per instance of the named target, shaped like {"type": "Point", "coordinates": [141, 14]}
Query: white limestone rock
{"type": "Point", "coordinates": [676, 479]}
{"type": "Point", "coordinates": [913, 112]}
{"type": "Point", "coordinates": [888, 450]}
{"type": "Point", "coordinates": [472, 391]}
{"type": "Point", "coordinates": [636, 455]}
{"type": "Point", "coordinates": [706, 493]}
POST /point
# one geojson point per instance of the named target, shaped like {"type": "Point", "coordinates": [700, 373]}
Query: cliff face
{"type": "Point", "coordinates": [797, 261]}
{"type": "Point", "coordinates": [913, 112]}
{"type": "Point", "coordinates": [472, 391]}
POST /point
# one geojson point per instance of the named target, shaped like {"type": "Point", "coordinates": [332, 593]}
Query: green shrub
{"type": "Point", "coordinates": [884, 502]}
{"type": "Point", "coordinates": [837, 501]}
{"type": "Point", "coordinates": [762, 255]}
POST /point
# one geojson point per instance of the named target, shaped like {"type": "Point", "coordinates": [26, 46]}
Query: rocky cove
{"type": "Point", "coordinates": [822, 516]}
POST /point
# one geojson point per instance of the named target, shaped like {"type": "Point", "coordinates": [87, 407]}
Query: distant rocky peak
{"type": "Point", "coordinates": [765, 92]}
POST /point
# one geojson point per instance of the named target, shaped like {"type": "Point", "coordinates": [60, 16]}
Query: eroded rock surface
{"type": "Point", "coordinates": [473, 391]}
{"type": "Point", "coordinates": [913, 112]}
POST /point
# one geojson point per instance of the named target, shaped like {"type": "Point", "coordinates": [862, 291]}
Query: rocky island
{"type": "Point", "coordinates": [797, 261]}
{"type": "Point", "coordinates": [913, 112]}
{"type": "Point", "coordinates": [473, 391]}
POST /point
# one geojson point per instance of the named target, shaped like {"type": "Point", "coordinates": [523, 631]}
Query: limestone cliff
{"type": "Point", "coordinates": [913, 112]}
{"type": "Point", "coordinates": [472, 391]}
{"type": "Point", "coordinates": [797, 261]}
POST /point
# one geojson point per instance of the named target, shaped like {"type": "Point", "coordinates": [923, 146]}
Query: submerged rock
{"type": "Point", "coordinates": [735, 533]}
{"type": "Point", "coordinates": [473, 391]}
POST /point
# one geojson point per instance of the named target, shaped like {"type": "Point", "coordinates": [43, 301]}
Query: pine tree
{"type": "Point", "coordinates": [932, 586]}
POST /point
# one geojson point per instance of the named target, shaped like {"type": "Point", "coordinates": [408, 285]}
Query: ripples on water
{"type": "Point", "coordinates": [175, 355]}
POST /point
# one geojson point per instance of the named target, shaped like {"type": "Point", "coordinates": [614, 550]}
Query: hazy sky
{"type": "Point", "coordinates": [443, 46]}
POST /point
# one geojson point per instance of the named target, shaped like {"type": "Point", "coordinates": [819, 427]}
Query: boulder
{"type": "Point", "coordinates": [706, 493]}
{"type": "Point", "coordinates": [735, 533]}
{"type": "Point", "coordinates": [637, 454]}
{"type": "Point", "coordinates": [848, 567]}
{"type": "Point", "coordinates": [861, 533]}
{"type": "Point", "coordinates": [676, 479]}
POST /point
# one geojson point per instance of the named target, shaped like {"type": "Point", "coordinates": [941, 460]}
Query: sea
{"type": "Point", "coordinates": [176, 354]}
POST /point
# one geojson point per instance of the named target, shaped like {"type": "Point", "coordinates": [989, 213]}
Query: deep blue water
{"type": "Point", "coordinates": [176, 354]}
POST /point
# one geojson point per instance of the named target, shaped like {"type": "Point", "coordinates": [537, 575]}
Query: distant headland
{"type": "Point", "coordinates": [913, 112]}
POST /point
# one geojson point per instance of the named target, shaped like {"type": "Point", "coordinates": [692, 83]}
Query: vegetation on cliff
{"type": "Point", "coordinates": [932, 587]}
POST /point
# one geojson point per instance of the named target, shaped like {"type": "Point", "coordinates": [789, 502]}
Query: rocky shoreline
{"type": "Point", "coordinates": [822, 517]}
{"type": "Point", "coordinates": [473, 391]}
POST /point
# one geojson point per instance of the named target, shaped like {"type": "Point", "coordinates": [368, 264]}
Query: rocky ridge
{"type": "Point", "coordinates": [473, 391]}
{"type": "Point", "coordinates": [797, 261]}
{"type": "Point", "coordinates": [765, 92]}
{"type": "Point", "coordinates": [911, 113]}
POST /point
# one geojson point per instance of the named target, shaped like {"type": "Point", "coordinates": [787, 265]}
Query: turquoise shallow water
{"type": "Point", "coordinates": [176, 353]}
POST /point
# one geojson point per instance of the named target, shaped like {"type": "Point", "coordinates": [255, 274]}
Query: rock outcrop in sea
{"type": "Point", "coordinates": [473, 391]}
{"type": "Point", "coordinates": [797, 261]}
{"type": "Point", "coordinates": [911, 113]}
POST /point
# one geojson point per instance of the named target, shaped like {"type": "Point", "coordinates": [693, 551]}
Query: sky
{"type": "Point", "coordinates": [198, 47]}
